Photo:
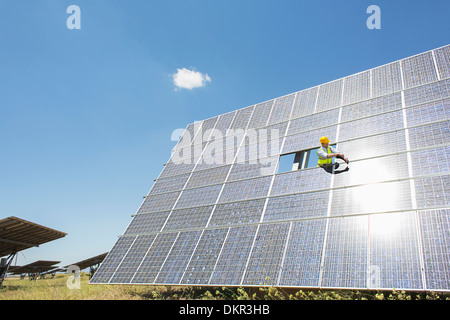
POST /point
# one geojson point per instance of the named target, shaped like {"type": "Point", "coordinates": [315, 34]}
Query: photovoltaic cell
{"type": "Point", "coordinates": [281, 110]}
{"type": "Point", "coordinates": [173, 183]}
{"type": "Point", "coordinates": [442, 56]}
{"type": "Point", "coordinates": [372, 125]}
{"type": "Point", "coordinates": [301, 265]}
{"type": "Point", "coordinates": [386, 79]}
{"type": "Point", "coordinates": [432, 192]}
{"type": "Point", "coordinates": [430, 135]}
{"type": "Point", "coordinates": [237, 213]}
{"type": "Point", "coordinates": [188, 218]}
{"type": "Point", "coordinates": [266, 257]}
{"type": "Point", "coordinates": [435, 233]}
{"type": "Point", "coordinates": [188, 134]}
{"type": "Point", "coordinates": [244, 190]}
{"type": "Point", "coordinates": [205, 130]}
{"type": "Point", "coordinates": [258, 151]}
{"type": "Point", "coordinates": [356, 88]}
{"type": "Point", "coordinates": [372, 107]}
{"type": "Point", "coordinates": [297, 206]}
{"type": "Point", "coordinates": [152, 262]}
{"type": "Point", "coordinates": [147, 222]}
{"type": "Point", "coordinates": [370, 198]}
{"type": "Point", "coordinates": [260, 115]}
{"type": "Point", "coordinates": [224, 122]}
{"type": "Point", "coordinates": [431, 161]}
{"type": "Point", "coordinates": [199, 196]}
{"type": "Point", "coordinates": [330, 95]}
{"type": "Point", "coordinates": [374, 170]}
{"type": "Point", "coordinates": [418, 70]}
{"type": "Point", "coordinates": [159, 202]}
{"type": "Point", "coordinates": [112, 260]}
{"type": "Point", "coordinates": [242, 118]}
{"type": "Point", "coordinates": [318, 120]}
{"type": "Point", "coordinates": [178, 168]}
{"type": "Point", "coordinates": [394, 251]}
{"type": "Point", "coordinates": [173, 268]}
{"type": "Point", "coordinates": [345, 256]}
{"type": "Point", "coordinates": [308, 139]}
{"type": "Point", "coordinates": [300, 181]}
{"type": "Point", "coordinates": [304, 102]}
{"type": "Point", "coordinates": [211, 176]}
{"type": "Point", "coordinates": [125, 272]}
{"type": "Point", "coordinates": [427, 93]}
{"type": "Point", "coordinates": [205, 256]}
{"type": "Point", "coordinates": [232, 261]}
{"type": "Point", "coordinates": [430, 112]}
{"type": "Point", "coordinates": [377, 145]}
{"type": "Point", "coordinates": [253, 169]}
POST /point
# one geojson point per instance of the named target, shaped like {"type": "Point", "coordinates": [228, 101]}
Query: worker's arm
{"type": "Point", "coordinates": [332, 155]}
{"type": "Point", "coordinates": [336, 154]}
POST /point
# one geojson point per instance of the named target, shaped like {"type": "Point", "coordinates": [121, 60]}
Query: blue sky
{"type": "Point", "coordinates": [86, 115]}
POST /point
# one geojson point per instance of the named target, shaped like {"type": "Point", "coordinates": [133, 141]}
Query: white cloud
{"type": "Point", "coordinates": [189, 79]}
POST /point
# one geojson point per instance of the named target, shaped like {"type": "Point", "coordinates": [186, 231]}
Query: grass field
{"type": "Point", "coordinates": [57, 289]}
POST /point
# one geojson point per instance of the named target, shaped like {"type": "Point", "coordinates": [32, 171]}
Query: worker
{"type": "Point", "coordinates": [326, 153]}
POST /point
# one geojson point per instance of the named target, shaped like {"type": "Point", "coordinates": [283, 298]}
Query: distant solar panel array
{"type": "Point", "coordinates": [221, 214]}
{"type": "Point", "coordinates": [40, 267]}
{"type": "Point", "coordinates": [17, 235]}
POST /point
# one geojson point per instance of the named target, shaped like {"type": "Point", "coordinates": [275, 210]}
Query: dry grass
{"type": "Point", "coordinates": [57, 289]}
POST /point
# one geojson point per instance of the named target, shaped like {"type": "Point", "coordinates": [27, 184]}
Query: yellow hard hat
{"type": "Point", "coordinates": [324, 140]}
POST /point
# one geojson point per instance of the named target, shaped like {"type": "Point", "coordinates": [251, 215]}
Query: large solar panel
{"type": "Point", "coordinates": [221, 214]}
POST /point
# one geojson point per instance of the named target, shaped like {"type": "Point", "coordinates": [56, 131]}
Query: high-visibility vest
{"type": "Point", "coordinates": [323, 161]}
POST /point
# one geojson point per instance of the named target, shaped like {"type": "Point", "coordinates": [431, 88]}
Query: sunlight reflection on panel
{"type": "Point", "coordinates": [386, 225]}
{"type": "Point", "coordinates": [394, 251]}
{"type": "Point", "coordinates": [373, 197]}
{"type": "Point", "coordinates": [374, 170]}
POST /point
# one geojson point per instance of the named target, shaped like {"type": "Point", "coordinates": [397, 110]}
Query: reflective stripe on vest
{"type": "Point", "coordinates": [325, 160]}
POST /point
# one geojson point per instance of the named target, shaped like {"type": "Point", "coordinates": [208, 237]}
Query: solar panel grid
{"type": "Point", "coordinates": [261, 227]}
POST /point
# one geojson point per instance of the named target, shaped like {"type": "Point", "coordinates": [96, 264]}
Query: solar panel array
{"type": "Point", "coordinates": [220, 214]}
